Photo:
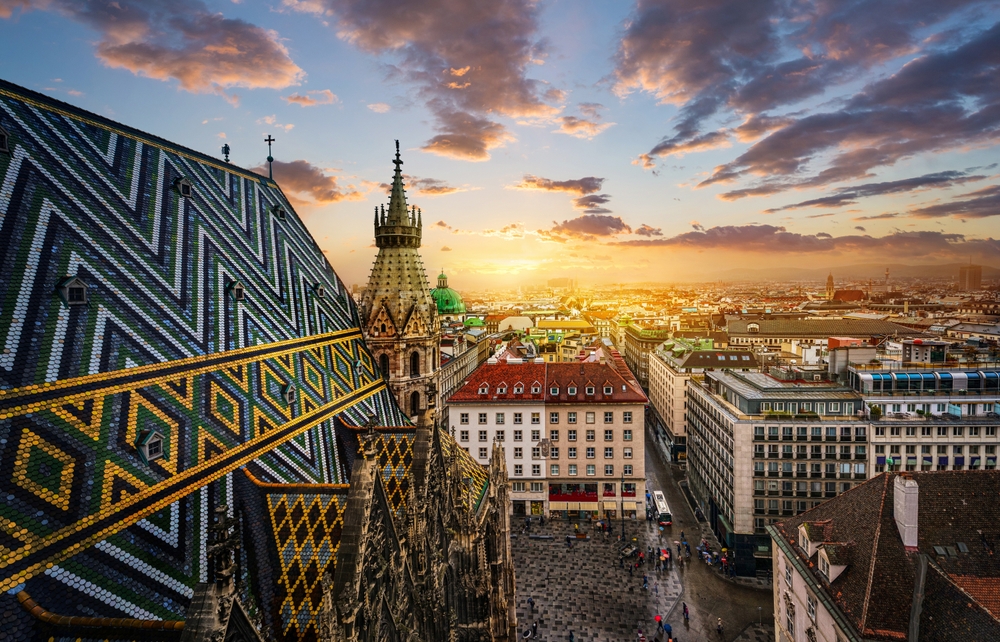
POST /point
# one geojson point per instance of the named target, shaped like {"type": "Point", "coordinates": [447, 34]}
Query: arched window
{"type": "Point", "coordinates": [383, 364]}
{"type": "Point", "coordinates": [414, 403]}
{"type": "Point", "coordinates": [383, 328]}
{"type": "Point", "coordinates": [414, 364]}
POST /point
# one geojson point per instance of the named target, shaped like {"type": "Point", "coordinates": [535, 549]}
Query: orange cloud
{"type": "Point", "coordinates": [180, 40]}
{"type": "Point", "coordinates": [306, 184]}
{"type": "Point", "coordinates": [311, 98]}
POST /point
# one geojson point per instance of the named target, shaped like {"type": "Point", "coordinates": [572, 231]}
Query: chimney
{"type": "Point", "coordinates": [905, 492]}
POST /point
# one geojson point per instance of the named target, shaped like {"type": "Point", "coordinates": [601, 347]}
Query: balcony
{"type": "Point", "coordinates": [831, 439]}
{"type": "Point", "coordinates": [843, 438]}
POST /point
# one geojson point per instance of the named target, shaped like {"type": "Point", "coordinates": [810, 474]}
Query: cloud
{"type": "Point", "coordinates": [180, 40]}
{"type": "Point", "coordinates": [379, 108]}
{"type": "Point", "coordinates": [771, 240]}
{"type": "Point", "coordinates": [981, 203]}
{"type": "Point", "coordinates": [445, 248]}
{"type": "Point", "coordinates": [306, 184]}
{"type": "Point", "coordinates": [586, 227]}
{"type": "Point", "coordinates": [508, 232]}
{"type": "Point", "coordinates": [877, 217]}
{"type": "Point", "coordinates": [850, 195]}
{"type": "Point", "coordinates": [746, 58]}
{"type": "Point", "coordinates": [469, 62]}
{"type": "Point", "coordinates": [442, 225]}
{"type": "Point", "coordinates": [646, 230]}
{"type": "Point", "coordinates": [679, 147]}
{"type": "Point", "coordinates": [272, 121]}
{"type": "Point", "coordinates": [592, 203]}
{"type": "Point", "coordinates": [580, 127]}
{"type": "Point", "coordinates": [860, 228]}
{"type": "Point", "coordinates": [426, 186]}
{"type": "Point", "coordinates": [580, 186]}
{"type": "Point", "coordinates": [697, 226]}
{"type": "Point", "coordinates": [311, 98]}
{"type": "Point", "coordinates": [937, 102]}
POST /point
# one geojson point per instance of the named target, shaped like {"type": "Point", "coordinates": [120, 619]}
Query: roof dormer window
{"type": "Point", "coordinates": [502, 389]}
{"type": "Point", "coordinates": [518, 389]}
{"type": "Point", "coordinates": [571, 390]}
{"type": "Point", "coordinates": [279, 211]}
{"type": "Point", "coordinates": [236, 290]}
{"type": "Point", "coordinates": [554, 391]}
{"type": "Point", "coordinates": [608, 390]}
{"type": "Point", "coordinates": [4, 141]}
{"type": "Point", "coordinates": [590, 390]}
{"type": "Point", "coordinates": [288, 393]}
{"type": "Point", "coordinates": [536, 388]}
{"type": "Point", "coordinates": [753, 328]}
{"type": "Point", "coordinates": [72, 290]}
{"type": "Point", "coordinates": [151, 445]}
{"type": "Point", "coordinates": [484, 388]}
{"type": "Point", "coordinates": [824, 566]}
{"type": "Point", "coordinates": [184, 187]}
{"type": "Point", "coordinates": [319, 290]}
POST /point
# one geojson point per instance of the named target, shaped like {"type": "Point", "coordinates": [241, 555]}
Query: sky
{"type": "Point", "coordinates": [655, 140]}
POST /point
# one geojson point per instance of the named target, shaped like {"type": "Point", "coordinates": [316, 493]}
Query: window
{"type": "Point", "coordinates": [627, 469]}
{"type": "Point", "coordinates": [609, 453]}
{"type": "Point", "coordinates": [518, 389]}
{"type": "Point", "coordinates": [501, 436]}
{"type": "Point", "coordinates": [482, 418]}
{"type": "Point", "coordinates": [590, 435]}
{"type": "Point", "coordinates": [554, 391]}
{"type": "Point", "coordinates": [790, 622]}
{"type": "Point", "coordinates": [554, 470]}
{"type": "Point", "coordinates": [482, 435]}
{"type": "Point", "coordinates": [627, 435]}
{"type": "Point", "coordinates": [553, 453]}
{"type": "Point", "coordinates": [518, 452]}
{"type": "Point", "coordinates": [536, 487]}
{"type": "Point", "coordinates": [464, 418]}
{"type": "Point", "coordinates": [957, 431]}
{"type": "Point", "coordinates": [572, 469]}
{"type": "Point", "coordinates": [536, 418]}
{"type": "Point", "coordinates": [536, 470]}
{"type": "Point", "coordinates": [590, 390]}
{"type": "Point", "coordinates": [502, 389]}
{"type": "Point", "coordinates": [609, 435]}
{"type": "Point", "coordinates": [518, 470]}
{"type": "Point", "coordinates": [482, 453]}
{"type": "Point", "coordinates": [591, 453]}
{"type": "Point", "coordinates": [518, 418]}
{"type": "Point", "coordinates": [518, 435]}
{"type": "Point", "coordinates": [463, 435]}
{"type": "Point", "coordinates": [590, 417]}
{"type": "Point", "coordinates": [571, 390]}
{"type": "Point", "coordinates": [536, 452]}
{"type": "Point", "coordinates": [609, 417]}
{"type": "Point", "coordinates": [571, 435]}
{"type": "Point", "coordinates": [553, 417]}
{"type": "Point", "coordinates": [824, 566]}
{"type": "Point", "coordinates": [383, 365]}
{"type": "Point", "coordinates": [517, 487]}
{"type": "Point", "coordinates": [571, 417]}
{"type": "Point", "coordinates": [973, 431]}
{"type": "Point", "coordinates": [591, 469]}
{"type": "Point", "coordinates": [536, 435]}
{"type": "Point", "coordinates": [184, 187]}
{"type": "Point", "coordinates": [535, 389]}
{"type": "Point", "coordinates": [627, 417]}
{"type": "Point", "coordinates": [415, 365]}
{"type": "Point", "coordinates": [500, 417]}
{"type": "Point", "coordinates": [609, 469]}
{"type": "Point", "coordinates": [554, 435]}
{"type": "Point", "coordinates": [571, 451]}
{"type": "Point", "coordinates": [627, 453]}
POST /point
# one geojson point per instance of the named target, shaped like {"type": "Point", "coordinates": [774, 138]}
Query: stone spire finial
{"type": "Point", "coordinates": [397, 197]}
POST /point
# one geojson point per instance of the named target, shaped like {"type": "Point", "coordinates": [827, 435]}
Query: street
{"type": "Point", "coordinates": [584, 589]}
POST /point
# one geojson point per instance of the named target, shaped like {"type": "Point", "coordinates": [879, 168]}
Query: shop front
{"type": "Point", "coordinates": [573, 501]}
{"type": "Point", "coordinates": [537, 507]}
{"type": "Point", "coordinates": [518, 507]}
{"type": "Point", "coordinates": [628, 509]}
{"type": "Point", "coordinates": [610, 509]}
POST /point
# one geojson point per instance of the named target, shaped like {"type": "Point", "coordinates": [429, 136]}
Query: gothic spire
{"type": "Point", "coordinates": [397, 199]}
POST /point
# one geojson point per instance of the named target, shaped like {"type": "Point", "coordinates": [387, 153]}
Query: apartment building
{"type": "Point", "coordinates": [571, 433]}
{"type": "Point", "coordinates": [506, 402]}
{"type": "Point", "coordinates": [762, 446]}
{"type": "Point", "coordinates": [670, 366]}
{"type": "Point", "coordinates": [638, 344]}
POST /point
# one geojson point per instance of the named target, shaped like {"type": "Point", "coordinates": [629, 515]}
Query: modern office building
{"type": "Point", "coordinates": [970, 278]}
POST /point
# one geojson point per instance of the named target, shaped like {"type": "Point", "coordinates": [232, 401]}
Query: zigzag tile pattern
{"type": "Point", "coordinates": [162, 344]}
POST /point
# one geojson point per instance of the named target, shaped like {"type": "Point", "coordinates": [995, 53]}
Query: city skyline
{"type": "Point", "coordinates": [546, 140]}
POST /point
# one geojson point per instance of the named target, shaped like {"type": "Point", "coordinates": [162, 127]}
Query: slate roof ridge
{"type": "Point", "coordinates": [67, 109]}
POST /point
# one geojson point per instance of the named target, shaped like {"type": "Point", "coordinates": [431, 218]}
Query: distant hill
{"type": "Point", "coordinates": [862, 271]}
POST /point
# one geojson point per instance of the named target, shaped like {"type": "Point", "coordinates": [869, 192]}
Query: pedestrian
{"type": "Point", "coordinates": [541, 520]}
{"type": "Point", "coordinates": [682, 536]}
{"type": "Point", "coordinates": [656, 589]}
{"type": "Point", "coordinates": [718, 626]}
{"type": "Point", "coordinates": [659, 624]}
{"type": "Point", "coordinates": [630, 570]}
{"type": "Point", "coordinates": [534, 629]}
{"type": "Point", "coordinates": [621, 560]}
{"type": "Point", "coordinates": [684, 604]}
{"type": "Point", "coordinates": [571, 636]}
{"type": "Point", "coordinates": [669, 629]}
{"type": "Point", "coordinates": [531, 603]}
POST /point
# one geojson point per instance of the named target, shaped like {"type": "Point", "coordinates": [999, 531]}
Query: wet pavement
{"type": "Point", "coordinates": [584, 590]}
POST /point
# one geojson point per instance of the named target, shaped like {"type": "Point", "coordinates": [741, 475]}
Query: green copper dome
{"type": "Point", "coordinates": [474, 322]}
{"type": "Point", "coordinates": [448, 301]}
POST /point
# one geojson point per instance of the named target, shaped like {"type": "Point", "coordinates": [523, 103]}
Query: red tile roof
{"type": "Point", "coordinates": [505, 376]}
{"type": "Point", "coordinates": [509, 374]}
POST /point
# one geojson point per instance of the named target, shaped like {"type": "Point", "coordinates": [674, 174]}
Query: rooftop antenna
{"type": "Point", "coordinates": [270, 159]}
{"type": "Point", "coordinates": [225, 151]}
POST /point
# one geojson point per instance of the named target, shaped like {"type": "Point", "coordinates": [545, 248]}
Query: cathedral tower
{"type": "Point", "coordinates": [398, 315]}
{"type": "Point", "coordinates": [829, 287]}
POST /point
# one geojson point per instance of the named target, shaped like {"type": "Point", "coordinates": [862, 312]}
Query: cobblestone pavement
{"type": "Point", "coordinates": [583, 589]}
